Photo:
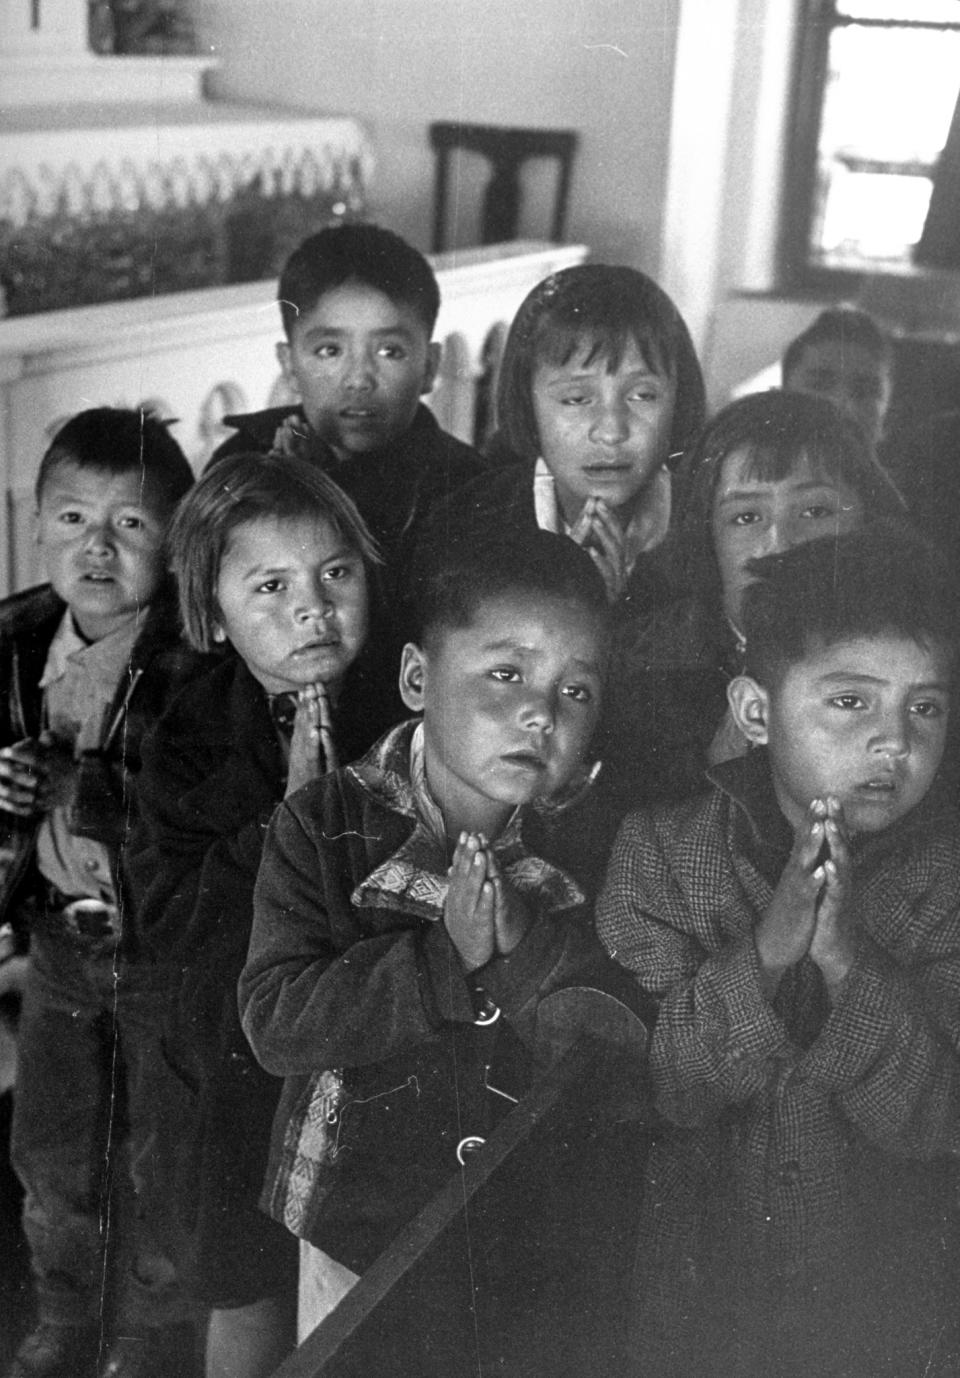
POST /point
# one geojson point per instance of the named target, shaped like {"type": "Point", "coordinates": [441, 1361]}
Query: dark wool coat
{"type": "Point", "coordinates": [160, 665]}
{"type": "Point", "coordinates": [351, 972]}
{"type": "Point", "coordinates": [801, 1214]}
{"type": "Point", "coordinates": [213, 773]}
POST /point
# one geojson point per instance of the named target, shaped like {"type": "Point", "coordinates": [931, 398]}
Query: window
{"type": "Point", "coordinates": [876, 90]}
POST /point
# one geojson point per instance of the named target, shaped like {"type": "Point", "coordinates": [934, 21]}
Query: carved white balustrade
{"type": "Point", "coordinates": [200, 355]}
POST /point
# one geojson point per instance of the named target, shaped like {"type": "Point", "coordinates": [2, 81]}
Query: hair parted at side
{"type": "Point", "coordinates": [599, 310]}
{"type": "Point", "coordinates": [779, 432]}
{"type": "Point", "coordinates": [365, 254]}
{"type": "Point", "coordinates": [120, 440]}
{"type": "Point", "coordinates": [447, 595]}
{"type": "Point", "coordinates": [848, 326]}
{"type": "Point", "coordinates": [883, 580]}
{"type": "Point", "coordinates": [244, 488]}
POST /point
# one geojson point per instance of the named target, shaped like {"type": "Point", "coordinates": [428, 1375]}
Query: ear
{"type": "Point", "coordinates": [750, 705]}
{"type": "Point", "coordinates": [434, 350]}
{"type": "Point", "coordinates": [413, 676]}
{"type": "Point", "coordinates": [286, 367]}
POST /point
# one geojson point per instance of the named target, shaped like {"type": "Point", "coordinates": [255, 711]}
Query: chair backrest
{"type": "Point", "coordinates": [506, 150]}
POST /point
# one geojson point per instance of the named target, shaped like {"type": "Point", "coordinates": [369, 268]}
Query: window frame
{"type": "Point", "coordinates": [817, 19]}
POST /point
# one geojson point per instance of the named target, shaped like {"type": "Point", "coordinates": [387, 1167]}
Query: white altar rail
{"type": "Point", "coordinates": [199, 355]}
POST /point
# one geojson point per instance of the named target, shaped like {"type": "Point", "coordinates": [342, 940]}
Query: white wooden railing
{"type": "Point", "coordinates": [199, 355]}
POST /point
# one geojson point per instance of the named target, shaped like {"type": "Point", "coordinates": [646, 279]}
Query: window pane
{"type": "Point", "coordinates": [887, 108]}
{"type": "Point", "coordinates": [936, 11]}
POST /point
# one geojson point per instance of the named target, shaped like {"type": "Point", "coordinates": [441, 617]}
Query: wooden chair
{"type": "Point", "coordinates": [506, 150]}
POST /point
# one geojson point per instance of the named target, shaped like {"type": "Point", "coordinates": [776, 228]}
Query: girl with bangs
{"type": "Point", "coordinates": [769, 472]}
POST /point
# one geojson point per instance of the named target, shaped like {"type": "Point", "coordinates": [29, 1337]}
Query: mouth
{"type": "Point", "coordinates": [607, 471]}
{"type": "Point", "coordinates": [97, 576]}
{"type": "Point", "coordinates": [525, 760]}
{"type": "Point", "coordinates": [322, 643]}
{"type": "Point", "coordinates": [361, 414]}
{"type": "Point", "coordinates": [880, 789]}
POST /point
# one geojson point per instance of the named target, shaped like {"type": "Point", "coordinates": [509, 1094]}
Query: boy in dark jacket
{"type": "Point", "coordinates": [799, 927]}
{"type": "Point", "coordinates": [414, 909]}
{"type": "Point", "coordinates": [86, 663]}
{"type": "Point", "coordinates": [359, 306]}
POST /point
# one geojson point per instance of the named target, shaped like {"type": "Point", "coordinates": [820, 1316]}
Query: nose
{"type": "Point", "coordinates": [892, 735]}
{"type": "Point", "coordinates": [611, 425]}
{"type": "Point", "coordinates": [539, 711]}
{"type": "Point", "coordinates": [360, 374]}
{"type": "Point", "coordinates": [315, 602]}
{"type": "Point", "coordinates": [98, 538]}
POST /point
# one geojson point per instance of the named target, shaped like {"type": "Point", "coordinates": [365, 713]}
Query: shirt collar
{"type": "Point", "coordinates": [648, 525]}
{"type": "Point", "coordinates": [109, 656]}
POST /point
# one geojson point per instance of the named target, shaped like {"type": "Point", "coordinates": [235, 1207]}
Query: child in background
{"type": "Point", "coordinates": [87, 661]}
{"type": "Point", "coordinates": [412, 911]}
{"type": "Point", "coordinates": [799, 927]}
{"type": "Point", "coordinates": [846, 357]}
{"type": "Point", "coordinates": [359, 306]}
{"type": "Point", "coordinates": [599, 392]}
{"type": "Point", "coordinates": [770, 471]}
{"type": "Point", "coordinates": [276, 568]}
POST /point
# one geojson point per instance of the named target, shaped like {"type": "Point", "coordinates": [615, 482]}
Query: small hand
{"type": "Point", "coordinates": [468, 910]}
{"type": "Point", "coordinates": [312, 750]}
{"type": "Point", "coordinates": [511, 917]}
{"type": "Point", "coordinates": [599, 531]}
{"type": "Point", "coordinates": [834, 943]}
{"type": "Point", "coordinates": [786, 929]}
{"type": "Point", "coordinates": [23, 772]}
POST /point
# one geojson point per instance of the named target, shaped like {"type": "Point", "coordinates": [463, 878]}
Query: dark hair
{"type": "Point", "coordinates": [925, 464]}
{"type": "Point", "coordinates": [242, 488]}
{"type": "Point", "coordinates": [118, 440]}
{"type": "Point", "coordinates": [882, 580]}
{"type": "Point", "coordinates": [603, 310]}
{"type": "Point", "coordinates": [448, 595]}
{"type": "Point", "coordinates": [365, 254]}
{"type": "Point", "coordinates": [779, 432]}
{"type": "Point", "coordinates": [847, 325]}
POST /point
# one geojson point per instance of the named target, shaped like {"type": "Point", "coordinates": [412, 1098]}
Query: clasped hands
{"type": "Point", "coordinates": [483, 914]}
{"type": "Point", "coordinates": [312, 748]}
{"type": "Point", "coordinates": [809, 914]}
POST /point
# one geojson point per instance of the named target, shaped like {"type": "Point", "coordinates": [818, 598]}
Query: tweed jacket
{"type": "Point", "coordinates": [808, 1141]}
{"type": "Point", "coordinates": [160, 665]}
{"type": "Point", "coordinates": [354, 992]}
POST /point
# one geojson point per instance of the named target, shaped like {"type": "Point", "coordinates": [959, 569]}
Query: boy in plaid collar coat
{"type": "Point", "coordinates": [799, 928]}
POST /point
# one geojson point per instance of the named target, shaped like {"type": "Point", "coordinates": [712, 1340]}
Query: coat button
{"type": "Point", "coordinates": [469, 1145]}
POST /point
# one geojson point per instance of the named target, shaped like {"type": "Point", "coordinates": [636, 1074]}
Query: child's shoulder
{"type": "Point", "coordinates": [253, 431]}
{"type": "Point", "coordinates": [687, 830]}
{"type": "Point", "coordinates": [30, 610]}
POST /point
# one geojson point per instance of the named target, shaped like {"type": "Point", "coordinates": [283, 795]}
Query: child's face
{"type": "Point", "coordinates": [292, 597]}
{"type": "Point", "coordinates": [753, 517]}
{"type": "Point", "coordinates": [510, 704]}
{"type": "Point", "coordinates": [850, 377]}
{"type": "Point", "coordinates": [602, 434]}
{"type": "Point", "coordinates": [359, 363]}
{"type": "Point", "coordinates": [101, 539]}
{"type": "Point", "coordinates": [863, 720]}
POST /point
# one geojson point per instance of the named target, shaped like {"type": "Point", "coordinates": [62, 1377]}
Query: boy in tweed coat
{"type": "Point", "coordinates": [799, 928]}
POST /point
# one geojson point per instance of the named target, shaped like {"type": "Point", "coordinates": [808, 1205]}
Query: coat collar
{"type": "Point", "coordinates": [414, 878]}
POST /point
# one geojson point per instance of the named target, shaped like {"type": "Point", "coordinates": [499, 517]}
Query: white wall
{"type": "Point", "coordinates": [603, 67]}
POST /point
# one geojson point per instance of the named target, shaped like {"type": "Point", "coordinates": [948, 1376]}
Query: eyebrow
{"type": "Point", "coordinates": [744, 494]}
{"type": "Point", "coordinates": [261, 570]}
{"type": "Point", "coordinates": [339, 332]}
{"type": "Point", "coordinates": [559, 377]}
{"type": "Point", "coordinates": [853, 677]}
{"type": "Point", "coordinates": [516, 648]}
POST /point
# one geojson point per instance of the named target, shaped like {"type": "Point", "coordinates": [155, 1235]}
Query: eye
{"type": "Point", "coordinates": [326, 351]}
{"type": "Point", "coordinates": [131, 522]}
{"type": "Point", "coordinates": [746, 518]}
{"type": "Point", "coordinates": [69, 518]}
{"type": "Point", "coordinates": [646, 394]}
{"type": "Point", "coordinates": [848, 702]}
{"type": "Point", "coordinates": [575, 399]}
{"type": "Point", "coordinates": [927, 708]}
{"type": "Point", "coordinates": [818, 511]}
{"type": "Point", "coordinates": [271, 586]}
{"type": "Point", "coordinates": [392, 351]}
{"type": "Point", "coordinates": [580, 693]}
{"type": "Point", "coordinates": [337, 572]}
{"type": "Point", "coordinates": [505, 674]}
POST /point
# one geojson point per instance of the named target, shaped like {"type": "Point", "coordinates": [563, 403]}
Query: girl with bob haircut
{"type": "Point", "coordinates": [276, 570]}
{"type": "Point", "coordinates": [771, 471]}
